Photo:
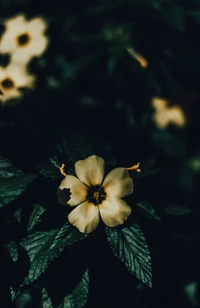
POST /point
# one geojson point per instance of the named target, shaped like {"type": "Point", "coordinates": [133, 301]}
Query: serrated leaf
{"type": "Point", "coordinates": [67, 235]}
{"type": "Point", "coordinates": [38, 246]}
{"type": "Point", "coordinates": [130, 246]}
{"type": "Point", "coordinates": [147, 210]}
{"type": "Point", "coordinates": [177, 210]}
{"type": "Point", "coordinates": [78, 298]}
{"type": "Point", "coordinates": [13, 181]}
{"type": "Point", "coordinates": [45, 300]}
{"type": "Point", "coordinates": [44, 247]}
{"type": "Point", "coordinates": [38, 210]}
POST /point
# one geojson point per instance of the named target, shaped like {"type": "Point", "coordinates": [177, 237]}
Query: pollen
{"type": "Point", "coordinates": [96, 195]}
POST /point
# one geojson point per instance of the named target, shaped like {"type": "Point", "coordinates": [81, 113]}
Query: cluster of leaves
{"type": "Point", "coordinates": [93, 97]}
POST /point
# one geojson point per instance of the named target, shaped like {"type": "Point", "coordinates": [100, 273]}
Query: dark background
{"type": "Point", "coordinates": [88, 86]}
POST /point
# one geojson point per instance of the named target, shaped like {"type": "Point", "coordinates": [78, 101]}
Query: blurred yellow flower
{"type": "Point", "coordinates": [24, 39]}
{"type": "Point", "coordinates": [95, 196]}
{"type": "Point", "coordinates": [12, 80]}
{"type": "Point", "coordinates": [165, 115]}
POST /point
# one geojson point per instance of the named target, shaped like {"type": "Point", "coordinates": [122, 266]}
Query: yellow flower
{"type": "Point", "coordinates": [165, 115]}
{"type": "Point", "coordinates": [24, 39]}
{"type": "Point", "coordinates": [13, 79]}
{"type": "Point", "coordinates": [95, 196]}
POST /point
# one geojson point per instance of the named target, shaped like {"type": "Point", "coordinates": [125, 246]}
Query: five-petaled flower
{"type": "Point", "coordinates": [95, 196]}
{"type": "Point", "coordinates": [13, 80]}
{"type": "Point", "coordinates": [24, 39]}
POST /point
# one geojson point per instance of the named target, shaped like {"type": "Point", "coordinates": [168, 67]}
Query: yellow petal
{"type": "Point", "coordinates": [85, 217]}
{"type": "Point", "coordinates": [118, 183]}
{"type": "Point", "coordinates": [90, 170]}
{"type": "Point", "coordinates": [77, 189]}
{"type": "Point", "coordinates": [114, 212]}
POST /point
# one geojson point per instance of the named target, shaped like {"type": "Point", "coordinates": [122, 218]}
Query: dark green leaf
{"type": "Point", "coordinates": [38, 246]}
{"type": "Point", "coordinates": [67, 235]}
{"type": "Point", "coordinates": [176, 210]}
{"type": "Point", "coordinates": [147, 210]}
{"type": "Point", "coordinates": [51, 168]}
{"type": "Point", "coordinates": [13, 181]}
{"type": "Point", "coordinates": [78, 298]}
{"type": "Point", "coordinates": [174, 16]}
{"type": "Point", "coordinates": [12, 249]}
{"type": "Point", "coordinates": [38, 210]}
{"type": "Point", "coordinates": [130, 246]}
{"type": "Point", "coordinates": [44, 247]}
{"type": "Point", "coordinates": [173, 145]}
{"type": "Point", "coordinates": [46, 301]}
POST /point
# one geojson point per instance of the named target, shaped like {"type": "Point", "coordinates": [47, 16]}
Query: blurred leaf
{"type": "Point", "coordinates": [12, 249]}
{"type": "Point", "coordinates": [173, 15]}
{"type": "Point", "coordinates": [176, 210]}
{"type": "Point", "coordinates": [129, 245]}
{"type": "Point", "coordinates": [173, 145]}
{"type": "Point", "coordinates": [147, 210]}
{"type": "Point", "coordinates": [13, 181]}
{"type": "Point", "coordinates": [38, 210]}
{"type": "Point", "coordinates": [78, 297]}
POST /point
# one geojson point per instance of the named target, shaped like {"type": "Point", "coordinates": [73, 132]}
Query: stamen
{"type": "Point", "coordinates": [134, 168]}
{"type": "Point", "coordinates": [96, 195]}
{"type": "Point", "coordinates": [143, 62]}
{"type": "Point", "coordinates": [62, 170]}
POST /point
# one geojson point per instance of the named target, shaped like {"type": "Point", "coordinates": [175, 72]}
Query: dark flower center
{"type": "Point", "coordinates": [7, 84]}
{"type": "Point", "coordinates": [96, 194]}
{"type": "Point", "coordinates": [23, 39]}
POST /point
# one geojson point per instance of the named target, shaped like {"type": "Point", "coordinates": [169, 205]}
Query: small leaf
{"type": "Point", "coordinates": [38, 210]}
{"type": "Point", "coordinates": [51, 168]}
{"type": "Point", "coordinates": [147, 210]}
{"type": "Point", "coordinates": [176, 210]}
{"type": "Point", "coordinates": [129, 245]}
{"type": "Point", "coordinates": [12, 249]}
{"type": "Point", "coordinates": [78, 298]}
{"type": "Point", "coordinates": [13, 181]}
{"type": "Point", "coordinates": [45, 300]}
{"type": "Point", "coordinates": [67, 235]}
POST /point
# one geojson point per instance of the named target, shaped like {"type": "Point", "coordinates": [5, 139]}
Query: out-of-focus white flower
{"type": "Point", "coordinates": [95, 196]}
{"type": "Point", "coordinates": [14, 79]}
{"type": "Point", "coordinates": [24, 39]}
{"type": "Point", "coordinates": [165, 115]}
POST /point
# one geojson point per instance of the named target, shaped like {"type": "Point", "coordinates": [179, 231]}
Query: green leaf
{"type": "Point", "coordinates": [51, 168]}
{"type": "Point", "coordinates": [78, 298]}
{"type": "Point", "coordinates": [44, 247]}
{"type": "Point", "coordinates": [130, 246]}
{"type": "Point", "coordinates": [38, 210]}
{"type": "Point", "coordinates": [12, 249]}
{"type": "Point", "coordinates": [67, 235]}
{"type": "Point", "coordinates": [38, 246]}
{"type": "Point", "coordinates": [174, 16]}
{"type": "Point", "coordinates": [173, 145]}
{"type": "Point", "coordinates": [147, 210]}
{"type": "Point", "coordinates": [45, 300]}
{"type": "Point", "coordinates": [13, 181]}
{"type": "Point", "coordinates": [177, 210]}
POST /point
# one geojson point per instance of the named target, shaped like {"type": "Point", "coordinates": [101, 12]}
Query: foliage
{"type": "Point", "coordinates": [105, 62]}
